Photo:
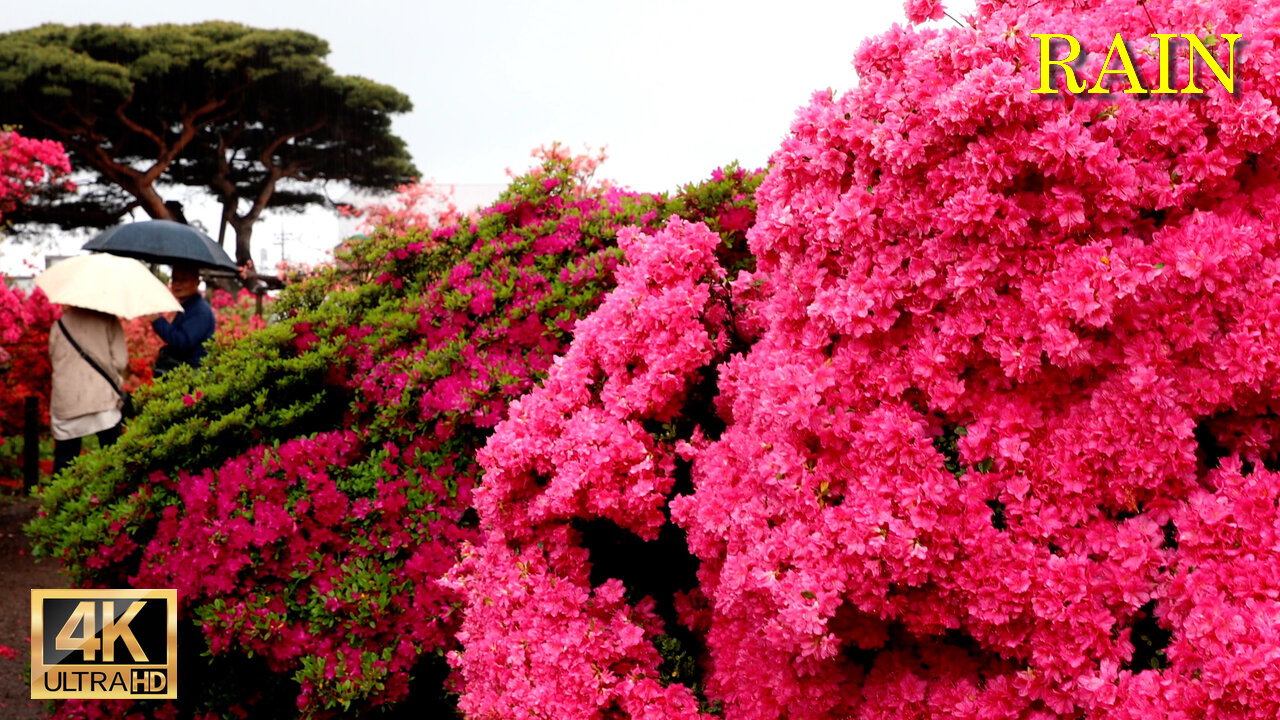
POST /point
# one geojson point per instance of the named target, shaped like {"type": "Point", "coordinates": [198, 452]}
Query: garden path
{"type": "Point", "coordinates": [21, 574]}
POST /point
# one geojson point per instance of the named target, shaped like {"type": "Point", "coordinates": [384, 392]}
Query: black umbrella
{"type": "Point", "coordinates": [162, 241]}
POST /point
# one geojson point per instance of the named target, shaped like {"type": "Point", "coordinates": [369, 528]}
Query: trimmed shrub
{"type": "Point", "coordinates": [306, 489]}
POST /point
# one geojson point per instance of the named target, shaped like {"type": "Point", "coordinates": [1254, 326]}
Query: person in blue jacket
{"type": "Point", "coordinates": [186, 334]}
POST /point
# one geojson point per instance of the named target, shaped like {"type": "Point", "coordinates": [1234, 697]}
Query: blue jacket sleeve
{"type": "Point", "coordinates": [191, 328]}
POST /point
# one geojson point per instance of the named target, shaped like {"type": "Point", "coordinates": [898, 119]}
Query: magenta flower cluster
{"type": "Point", "coordinates": [263, 551]}
{"type": "Point", "coordinates": [25, 318]}
{"type": "Point", "coordinates": [537, 634]}
{"type": "Point", "coordinates": [1005, 445]}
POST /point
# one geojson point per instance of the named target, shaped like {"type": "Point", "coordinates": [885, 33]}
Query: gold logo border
{"type": "Point", "coordinates": [39, 670]}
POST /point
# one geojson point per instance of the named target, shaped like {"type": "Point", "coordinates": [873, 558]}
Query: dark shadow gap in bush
{"type": "Point", "coordinates": [1149, 642]}
{"type": "Point", "coordinates": [429, 695]}
{"type": "Point", "coordinates": [658, 569]}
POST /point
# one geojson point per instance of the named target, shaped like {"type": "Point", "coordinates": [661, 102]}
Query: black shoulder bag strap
{"type": "Point", "coordinates": [89, 359]}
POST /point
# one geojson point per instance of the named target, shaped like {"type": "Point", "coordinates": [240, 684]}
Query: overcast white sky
{"type": "Point", "coordinates": [673, 88]}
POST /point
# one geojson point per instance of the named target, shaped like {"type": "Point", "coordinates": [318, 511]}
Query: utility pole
{"type": "Point", "coordinates": [282, 239]}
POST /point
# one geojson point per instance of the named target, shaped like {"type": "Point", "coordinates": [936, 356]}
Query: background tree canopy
{"type": "Point", "coordinates": [222, 106]}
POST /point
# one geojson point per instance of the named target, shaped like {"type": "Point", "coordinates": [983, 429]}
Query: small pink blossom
{"type": "Point", "coordinates": [919, 11]}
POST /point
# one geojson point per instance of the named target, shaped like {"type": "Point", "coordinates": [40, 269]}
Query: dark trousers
{"type": "Point", "coordinates": [64, 451]}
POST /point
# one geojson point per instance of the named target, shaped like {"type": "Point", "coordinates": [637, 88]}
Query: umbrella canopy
{"type": "Point", "coordinates": [162, 241]}
{"type": "Point", "coordinates": [114, 285]}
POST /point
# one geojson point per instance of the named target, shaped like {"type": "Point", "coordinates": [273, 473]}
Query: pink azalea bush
{"type": "Point", "coordinates": [988, 432]}
{"type": "Point", "coordinates": [237, 315]}
{"type": "Point", "coordinates": [306, 490]}
{"type": "Point", "coordinates": [596, 441]}
{"type": "Point", "coordinates": [27, 167]}
{"type": "Point", "coordinates": [415, 205]}
{"type": "Point", "coordinates": [25, 318]}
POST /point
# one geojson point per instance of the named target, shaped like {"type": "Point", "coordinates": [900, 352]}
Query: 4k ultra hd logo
{"type": "Point", "coordinates": [100, 644]}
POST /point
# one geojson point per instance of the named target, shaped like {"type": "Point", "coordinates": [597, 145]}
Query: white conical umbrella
{"type": "Point", "coordinates": [111, 284]}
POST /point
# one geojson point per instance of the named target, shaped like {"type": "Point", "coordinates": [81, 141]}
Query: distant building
{"type": "Point", "coordinates": [20, 282]}
{"type": "Point", "coordinates": [25, 280]}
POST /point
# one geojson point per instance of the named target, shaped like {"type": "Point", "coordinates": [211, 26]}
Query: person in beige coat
{"type": "Point", "coordinates": [83, 402]}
